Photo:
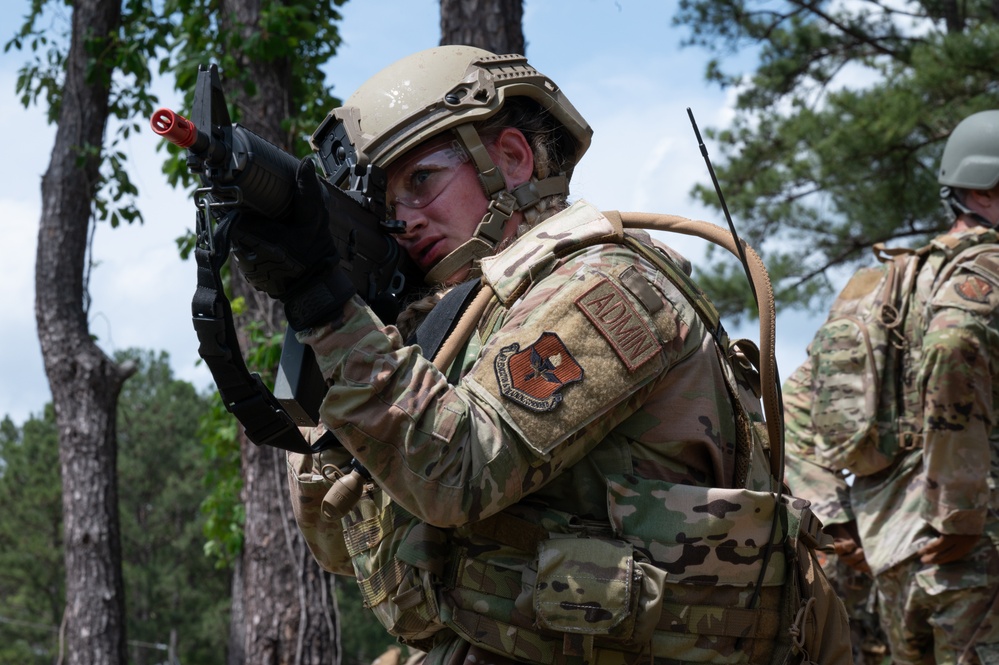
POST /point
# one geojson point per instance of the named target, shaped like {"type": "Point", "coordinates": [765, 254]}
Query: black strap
{"type": "Point", "coordinates": [243, 393]}
{"type": "Point", "coordinates": [441, 320]}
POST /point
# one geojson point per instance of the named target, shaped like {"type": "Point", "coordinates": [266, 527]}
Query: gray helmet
{"type": "Point", "coordinates": [448, 89]}
{"type": "Point", "coordinates": [971, 157]}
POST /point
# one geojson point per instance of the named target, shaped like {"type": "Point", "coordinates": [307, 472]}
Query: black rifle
{"type": "Point", "coordinates": [240, 171]}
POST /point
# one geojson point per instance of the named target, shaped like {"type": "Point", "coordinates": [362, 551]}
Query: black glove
{"type": "Point", "coordinates": [293, 258]}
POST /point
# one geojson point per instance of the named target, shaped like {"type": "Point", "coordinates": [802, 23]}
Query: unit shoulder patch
{"type": "Point", "coordinates": [535, 376]}
{"type": "Point", "coordinates": [974, 288]}
{"type": "Point", "coordinates": [619, 322]}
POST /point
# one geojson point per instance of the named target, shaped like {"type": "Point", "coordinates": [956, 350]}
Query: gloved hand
{"type": "Point", "coordinates": [948, 547]}
{"type": "Point", "coordinates": [294, 259]}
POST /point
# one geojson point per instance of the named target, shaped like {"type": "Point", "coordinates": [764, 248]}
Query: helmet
{"type": "Point", "coordinates": [434, 90]}
{"type": "Point", "coordinates": [448, 89]}
{"type": "Point", "coordinates": [971, 157]}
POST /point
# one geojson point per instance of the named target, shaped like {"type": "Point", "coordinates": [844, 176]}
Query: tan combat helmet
{"type": "Point", "coordinates": [448, 88]}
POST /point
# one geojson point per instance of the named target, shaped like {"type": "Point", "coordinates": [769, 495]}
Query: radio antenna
{"type": "Point", "coordinates": [724, 206]}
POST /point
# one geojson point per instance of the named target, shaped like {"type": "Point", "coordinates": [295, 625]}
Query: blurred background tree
{"type": "Point", "coordinates": [840, 119]}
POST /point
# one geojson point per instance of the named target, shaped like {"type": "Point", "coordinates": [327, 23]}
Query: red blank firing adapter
{"type": "Point", "coordinates": [175, 128]}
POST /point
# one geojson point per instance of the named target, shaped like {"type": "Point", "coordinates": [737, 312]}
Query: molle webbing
{"type": "Point", "coordinates": [510, 530]}
{"type": "Point", "coordinates": [377, 588]}
{"type": "Point", "coordinates": [366, 535]}
{"type": "Point", "coordinates": [487, 603]}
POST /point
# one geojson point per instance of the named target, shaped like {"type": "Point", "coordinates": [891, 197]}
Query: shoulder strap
{"type": "Point", "coordinates": [441, 320]}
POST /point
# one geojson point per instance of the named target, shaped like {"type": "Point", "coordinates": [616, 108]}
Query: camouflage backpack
{"type": "Point", "coordinates": [858, 408]}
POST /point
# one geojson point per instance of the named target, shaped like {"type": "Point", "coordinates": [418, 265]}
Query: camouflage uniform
{"type": "Point", "coordinates": [807, 481]}
{"type": "Point", "coordinates": [534, 504]}
{"type": "Point", "coordinates": [950, 378]}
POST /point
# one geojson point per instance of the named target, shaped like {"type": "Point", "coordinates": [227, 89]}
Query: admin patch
{"type": "Point", "coordinates": [535, 376]}
{"type": "Point", "coordinates": [617, 319]}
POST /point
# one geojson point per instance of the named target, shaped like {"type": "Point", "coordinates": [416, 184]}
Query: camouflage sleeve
{"type": "Point", "coordinates": [960, 357]}
{"type": "Point", "coordinates": [824, 488]}
{"type": "Point", "coordinates": [453, 454]}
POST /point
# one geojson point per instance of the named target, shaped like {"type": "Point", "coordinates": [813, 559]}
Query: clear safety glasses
{"type": "Point", "coordinates": [416, 181]}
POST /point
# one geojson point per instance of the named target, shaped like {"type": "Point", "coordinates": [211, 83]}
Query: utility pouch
{"type": "Point", "coordinates": [722, 552]}
{"type": "Point", "coordinates": [586, 585]}
{"type": "Point", "coordinates": [598, 592]}
{"type": "Point", "coordinates": [397, 563]}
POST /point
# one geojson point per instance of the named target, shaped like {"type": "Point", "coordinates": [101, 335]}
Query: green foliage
{"type": "Point", "coordinates": [169, 584]}
{"type": "Point", "coordinates": [301, 33]}
{"type": "Point", "coordinates": [221, 504]}
{"type": "Point", "coordinates": [127, 54]}
{"type": "Point", "coordinates": [32, 586]}
{"type": "Point", "coordinates": [838, 130]}
{"type": "Point", "coordinates": [217, 429]}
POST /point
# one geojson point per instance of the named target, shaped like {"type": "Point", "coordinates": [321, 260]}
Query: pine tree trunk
{"type": "Point", "coordinates": [85, 383]}
{"type": "Point", "coordinates": [495, 25]}
{"type": "Point", "coordinates": [286, 613]}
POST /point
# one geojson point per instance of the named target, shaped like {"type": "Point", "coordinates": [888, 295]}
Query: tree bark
{"type": "Point", "coordinates": [285, 612]}
{"type": "Point", "coordinates": [85, 383]}
{"type": "Point", "coordinates": [494, 25]}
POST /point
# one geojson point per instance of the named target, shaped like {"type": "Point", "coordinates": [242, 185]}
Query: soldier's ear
{"type": "Point", "coordinates": [513, 155]}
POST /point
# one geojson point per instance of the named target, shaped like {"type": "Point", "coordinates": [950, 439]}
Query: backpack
{"type": "Point", "coordinates": [857, 357]}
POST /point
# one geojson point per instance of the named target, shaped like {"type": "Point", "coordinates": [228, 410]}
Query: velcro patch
{"type": "Point", "coordinates": [533, 377]}
{"type": "Point", "coordinates": [618, 321]}
{"type": "Point", "coordinates": [974, 289]}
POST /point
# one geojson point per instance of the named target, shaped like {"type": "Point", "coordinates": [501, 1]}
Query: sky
{"type": "Point", "coordinates": [618, 61]}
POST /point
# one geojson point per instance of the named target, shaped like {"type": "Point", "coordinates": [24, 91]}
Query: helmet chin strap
{"type": "Point", "coordinates": [503, 203]}
{"type": "Point", "coordinates": [954, 208]}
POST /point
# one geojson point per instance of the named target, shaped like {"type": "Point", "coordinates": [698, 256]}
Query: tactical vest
{"type": "Point", "coordinates": [684, 573]}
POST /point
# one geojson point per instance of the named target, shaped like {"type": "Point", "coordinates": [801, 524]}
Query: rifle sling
{"type": "Point", "coordinates": [243, 393]}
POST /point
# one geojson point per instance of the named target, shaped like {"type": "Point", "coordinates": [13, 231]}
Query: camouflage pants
{"type": "Point", "coordinates": [938, 615]}
{"type": "Point", "coordinates": [870, 647]}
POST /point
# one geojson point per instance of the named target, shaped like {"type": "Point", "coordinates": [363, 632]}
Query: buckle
{"type": "Point", "coordinates": [501, 208]}
{"type": "Point", "coordinates": [909, 441]}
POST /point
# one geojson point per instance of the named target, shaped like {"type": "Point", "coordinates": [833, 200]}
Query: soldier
{"type": "Point", "coordinates": [925, 524]}
{"type": "Point", "coordinates": [845, 566]}
{"type": "Point", "coordinates": [543, 497]}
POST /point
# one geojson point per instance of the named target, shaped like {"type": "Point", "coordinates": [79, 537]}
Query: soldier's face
{"type": "Point", "coordinates": [435, 189]}
{"type": "Point", "coordinates": [437, 193]}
